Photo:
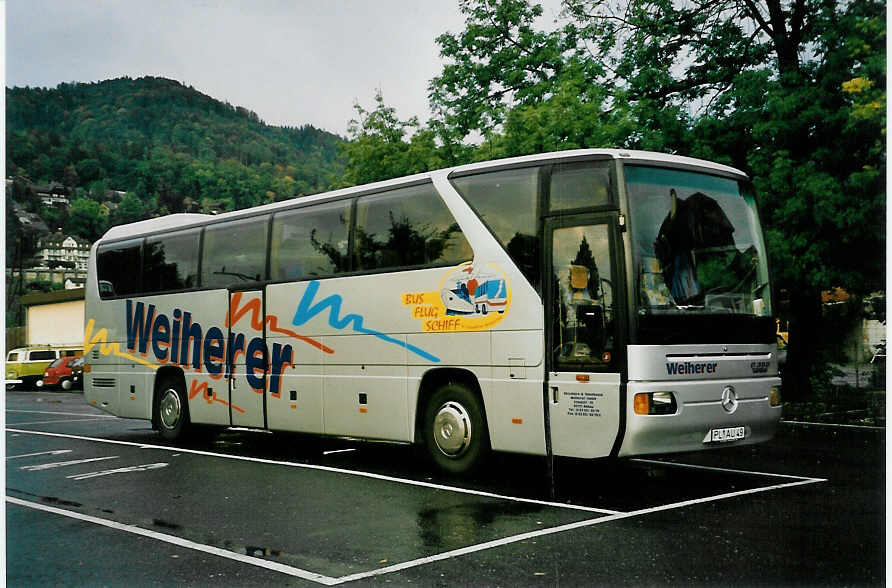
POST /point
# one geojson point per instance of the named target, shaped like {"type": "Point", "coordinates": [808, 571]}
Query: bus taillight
{"type": "Point", "coordinates": [775, 396]}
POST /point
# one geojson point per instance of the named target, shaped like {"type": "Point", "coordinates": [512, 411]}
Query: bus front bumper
{"type": "Point", "coordinates": [702, 420]}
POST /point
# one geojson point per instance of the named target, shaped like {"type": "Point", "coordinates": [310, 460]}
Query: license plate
{"type": "Point", "coordinates": [725, 434]}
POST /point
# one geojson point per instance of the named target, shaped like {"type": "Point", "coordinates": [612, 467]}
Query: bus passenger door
{"type": "Point", "coordinates": [248, 358]}
{"type": "Point", "coordinates": [584, 294]}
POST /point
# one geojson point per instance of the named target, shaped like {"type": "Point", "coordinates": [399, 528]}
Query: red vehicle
{"type": "Point", "coordinates": [65, 373]}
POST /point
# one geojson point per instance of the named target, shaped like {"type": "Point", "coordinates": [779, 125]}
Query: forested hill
{"type": "Point", "coordinates": [169, 144]}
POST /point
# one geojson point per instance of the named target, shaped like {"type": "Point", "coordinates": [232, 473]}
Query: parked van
{"type": "Point", "coordinates": [25, 365]}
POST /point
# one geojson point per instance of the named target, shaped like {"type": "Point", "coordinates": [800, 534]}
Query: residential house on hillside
{"type": "Point", "coordinates": [75, 283]}
{"type": "Point", "coordinates": [107, 207]}
{"type": "Point", "coordinates": [206, 206]}
{"type": "Point", "coordinates": [59, 249]}
{"type": "Point", "coordinates": [53, 194]}
{"type": "Point", "coordinates": [111, 200]}
{"type": "Point", "coordinates": [114, 195]}
{"type": "Point", "coordinates": [60, 259]}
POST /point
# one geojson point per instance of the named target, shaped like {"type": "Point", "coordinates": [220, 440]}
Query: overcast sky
{"type": "Point", "coordinates": [291, 61]}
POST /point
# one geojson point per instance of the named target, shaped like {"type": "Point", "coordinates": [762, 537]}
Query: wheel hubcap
{"type": "Point", "coordinates": [170, 409]}
{"type": "Point", "coordinates": [452, 429]}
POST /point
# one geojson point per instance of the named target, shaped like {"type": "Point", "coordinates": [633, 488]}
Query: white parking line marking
{"type": "Point", "coordinates": [562, 528]}
{"type": "Point", "coordinates": [337, 451]}
{"type": "Point", "coordinates": [247, 430]}
{"type": "Point", "coordinates": [126, 470]}
{"type": "Point", "coordinates": [834, 425]}
{"type": "Point", "coordinates": [254, 561]}
{"type": "Point", "coordinates": [325, 469]}
{"type": "Point", "coordinates": [98, 416]}
{"type": "Point", "coordinates": [55, 452]}
{"type": "Point", "coordinates": [329, 581]}
{"type": "Point", "coordinates": [731, 471]}
{"type": "Point", "coordinates": [56, 421]}
{"type": "Point", "coordinates": [63, 464]}
{"type": "Point", "coordinates": [322, 579]}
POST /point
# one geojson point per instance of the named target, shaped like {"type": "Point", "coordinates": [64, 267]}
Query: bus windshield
{"type": "Point", "coordinates": [697, 244]}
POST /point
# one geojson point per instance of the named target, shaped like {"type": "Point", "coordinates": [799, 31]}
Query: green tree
{"type": "Point", "coordinates": [89, 170]}
{"type": "Point", "coordinates": [147, 135]}
{"type": "Point", "coordinates": [129, 210]}
{"type": "Point", "coordinates": [97, 189]}
{"type": "Point", "coordinates": [70, 177]}
{"type": "Point", "coordinates": [85, 219]}
{"type": "Point", "coordinates": [791, 91]}
{"type": "Point", "coordinates": [378, 148]}
{"type": "Point", "coordinates": [55, 217]}
{"type": "Point", "coordinates": [573, 117]}
{"type": "Point", "coordinates": [499, 61]}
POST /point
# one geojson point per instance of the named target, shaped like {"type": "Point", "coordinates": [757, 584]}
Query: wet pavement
{"type": "Point", "coordinates": [93, 499]}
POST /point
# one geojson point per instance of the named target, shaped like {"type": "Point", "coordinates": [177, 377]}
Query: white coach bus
{"type": "Point", "coordinates": [587, 303]}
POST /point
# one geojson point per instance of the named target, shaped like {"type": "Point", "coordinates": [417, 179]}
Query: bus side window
{"type": "Point", "coordinates": [507, 203]}
{"type": "Point", "coordinates": [580, 185]}
{"type": "Point", "coordinates": [310, 242]}
{"type": "Point", "coordinates": [405, 228]}
{"type": "Point", "coordinates": [170, 262]}
{"type": "Point", "coordinates": [583, 303]}
{"type": "Point", "coordinates": [119, 268]}
{"type": "Point", "coordinates": [234, 252]}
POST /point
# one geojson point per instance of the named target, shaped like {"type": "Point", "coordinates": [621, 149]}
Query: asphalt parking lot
{"type": "Point", "coordinates": [92, 499]}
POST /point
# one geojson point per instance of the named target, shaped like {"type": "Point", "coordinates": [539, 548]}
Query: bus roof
{"type": "Point", "coordinates": [626, 155]}
{"type": "Point", "coordinates": [170, 221]}
{"type": "Point", "coordinates": [183, 220]}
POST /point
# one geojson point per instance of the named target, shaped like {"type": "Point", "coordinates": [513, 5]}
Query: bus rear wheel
{"type": "Point", "coordinates": [171, 409]}
{"type": "Point", "coordinates": [455, 433]}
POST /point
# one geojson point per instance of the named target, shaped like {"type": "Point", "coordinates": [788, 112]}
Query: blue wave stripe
{"type": "Point", "coordinates": [307, 310]}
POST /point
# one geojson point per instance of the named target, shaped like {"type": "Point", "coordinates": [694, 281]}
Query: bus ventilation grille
{"type": "Point", "coordinates": [104, 383]}
{"type": "Point", "coordinates": [95, 354]}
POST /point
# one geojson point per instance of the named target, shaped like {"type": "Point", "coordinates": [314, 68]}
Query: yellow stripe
{"type": "Point", "coordinates": [106, 348]}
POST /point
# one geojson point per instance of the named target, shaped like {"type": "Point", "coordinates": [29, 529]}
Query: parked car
{"type": "Point", "coordinates": [25, 365]}
{"type": "Point", "coordinates": [65, 373]}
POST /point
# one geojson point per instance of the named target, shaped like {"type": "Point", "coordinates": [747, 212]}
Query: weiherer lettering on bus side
{"type": "Point", "coordinates": [688, 368]}
{"type": "Point", "coordinates": [179, 340]}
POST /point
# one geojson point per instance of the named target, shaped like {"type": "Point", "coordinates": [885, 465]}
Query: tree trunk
{"type": "Point", "coordinates": [787, 51]}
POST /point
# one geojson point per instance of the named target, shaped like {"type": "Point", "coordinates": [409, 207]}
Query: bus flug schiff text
{"type": "Point", "coordinates": [586, 303]}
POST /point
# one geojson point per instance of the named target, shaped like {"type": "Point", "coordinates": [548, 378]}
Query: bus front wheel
{"type": "Point", "coordinates": [171, 409]}
{"type": "Point", "coordinates": [455, 431]}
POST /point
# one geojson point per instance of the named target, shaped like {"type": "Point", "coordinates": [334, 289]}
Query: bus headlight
{"type": "Point", "coordinates": [775, 396]}
{"type": "Point", "coordinates": [655, 403]}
